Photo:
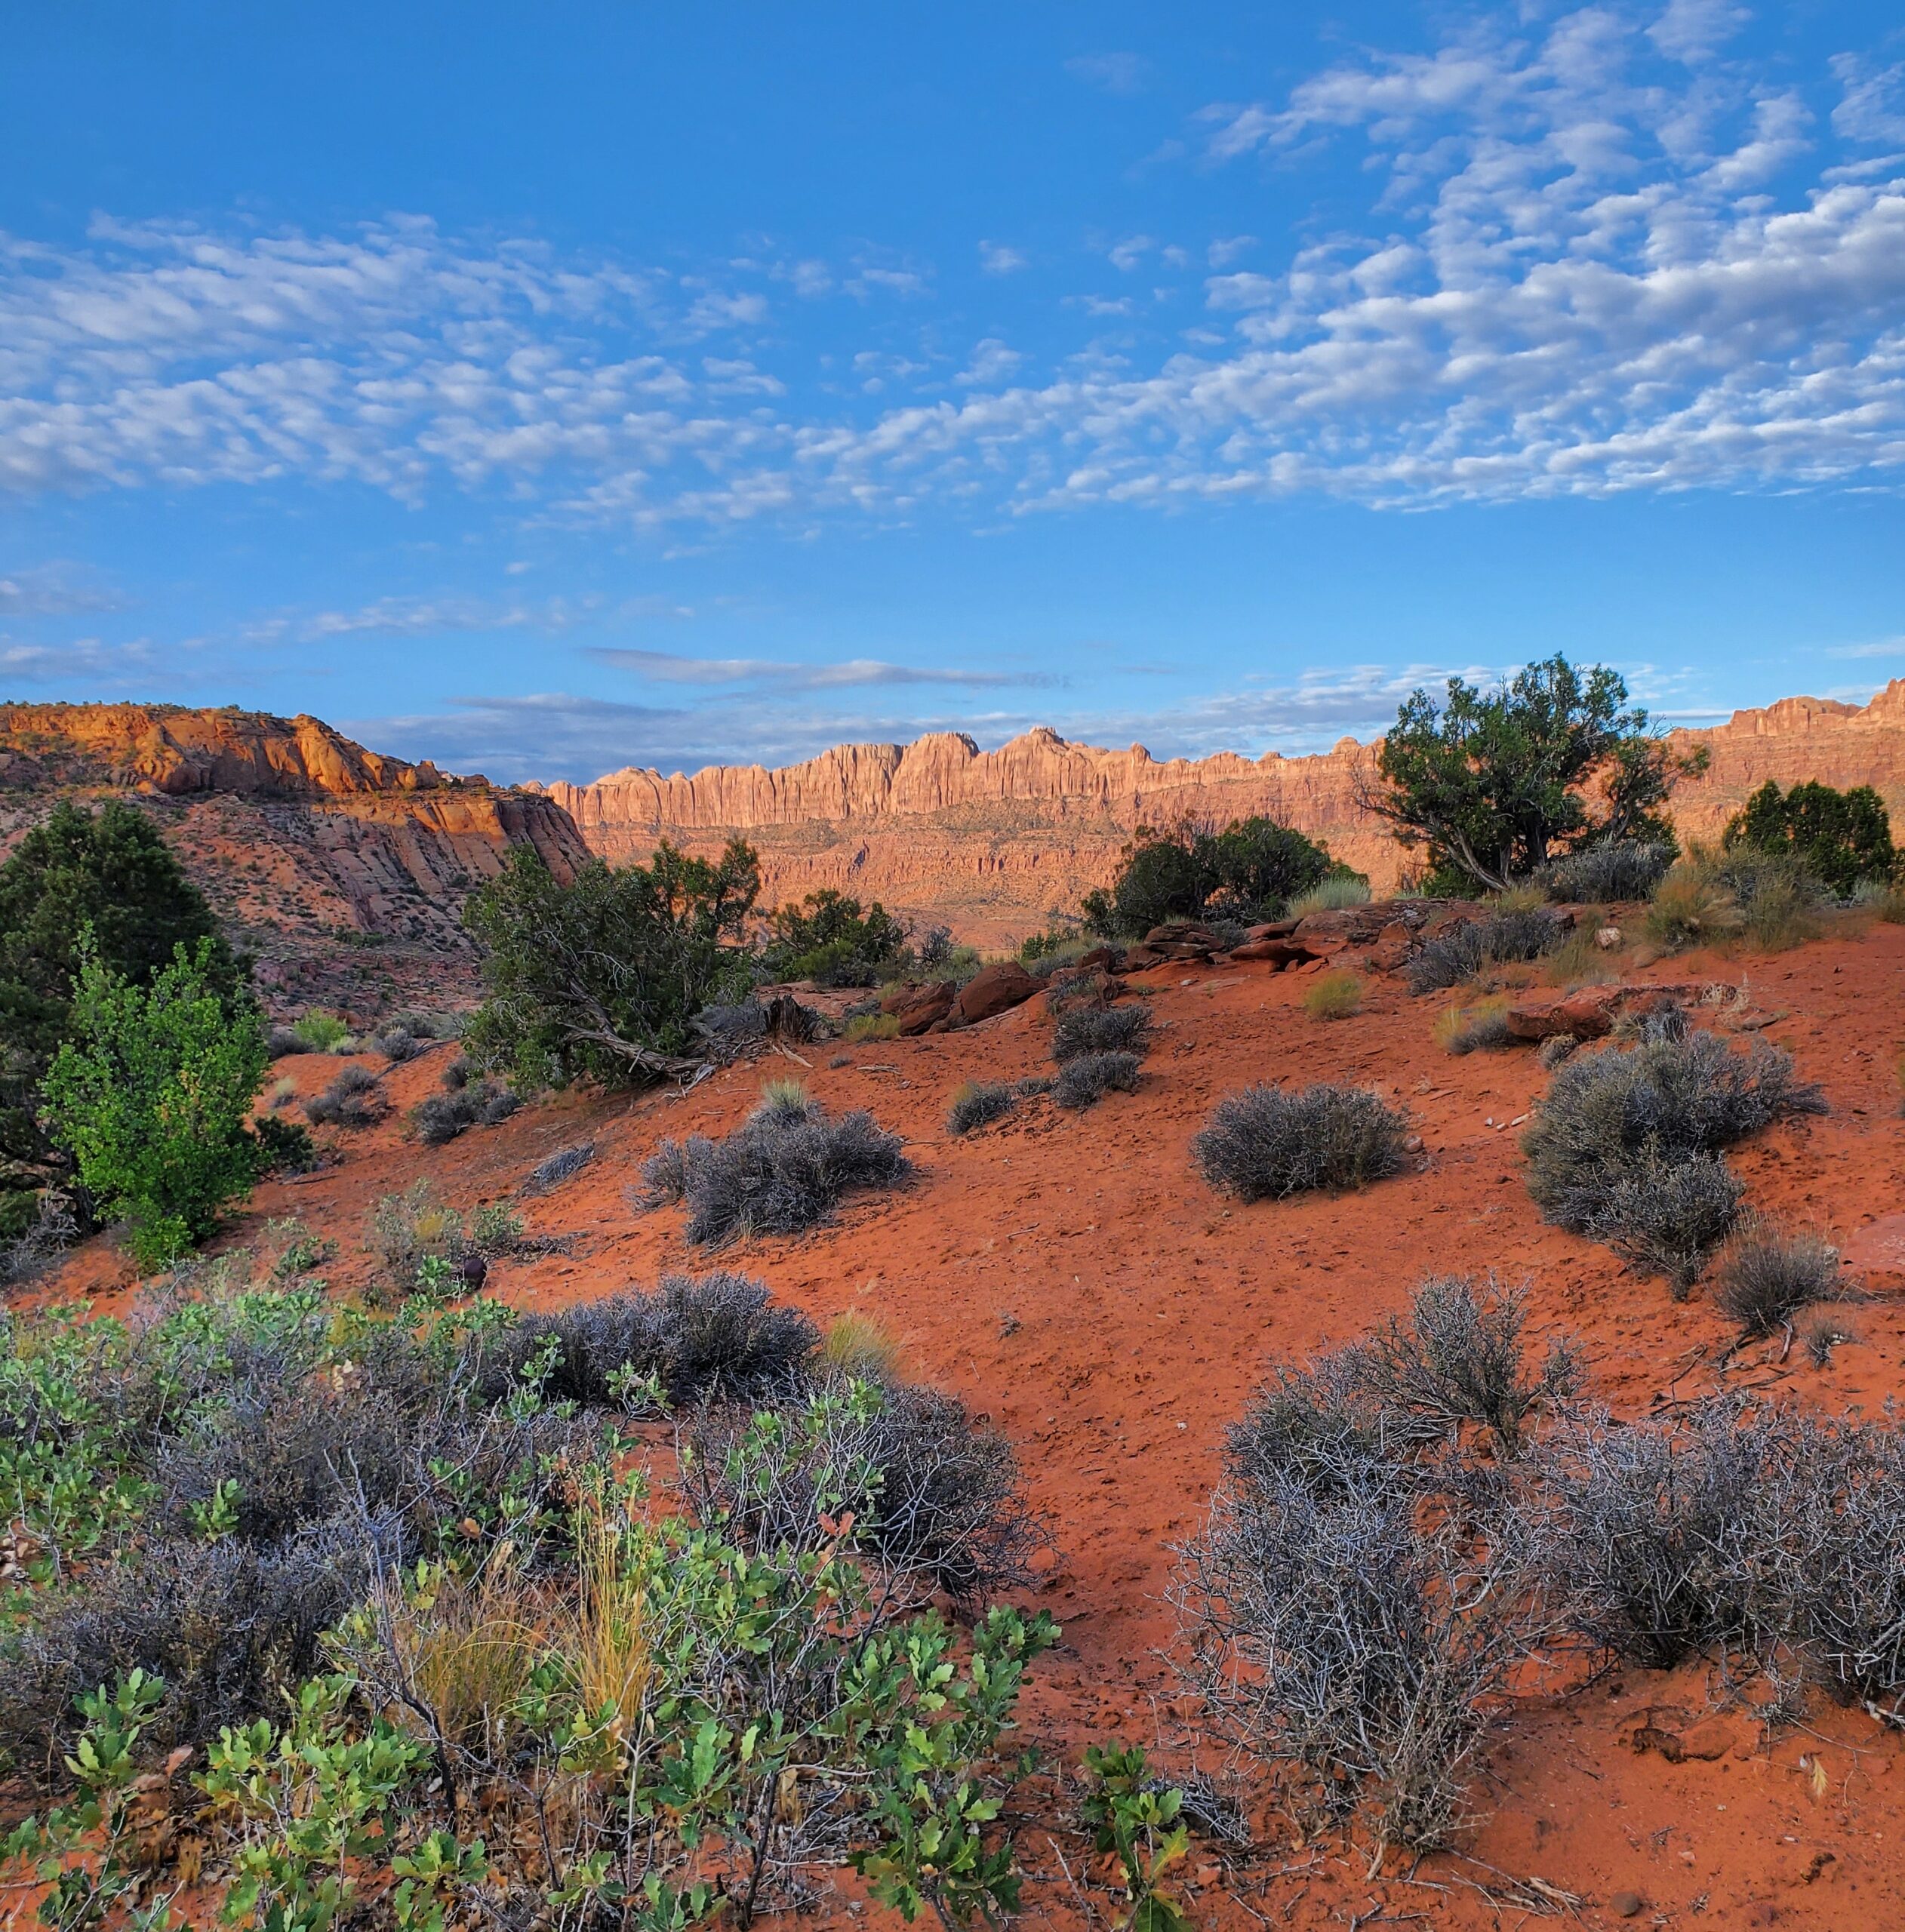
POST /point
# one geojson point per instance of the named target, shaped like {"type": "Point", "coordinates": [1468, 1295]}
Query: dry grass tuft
{"type": "Point", "coordinates": [1336, 995]}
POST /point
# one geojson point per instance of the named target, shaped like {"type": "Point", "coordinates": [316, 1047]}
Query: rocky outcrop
{"type": "Point", "coordinates": [992, 841]}
{"type": "Point", "coordinates": [344, 871]}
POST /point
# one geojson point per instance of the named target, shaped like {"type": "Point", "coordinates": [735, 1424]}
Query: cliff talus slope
{"type": "Point", "coordinates": [344, 871]}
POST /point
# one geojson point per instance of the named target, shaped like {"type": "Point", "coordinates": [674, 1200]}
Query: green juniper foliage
{"type": "Point", "coordinates": [600, 979]}
{"type": "Point", "coordinates": [828, 938]}
{"type": "Point", "coordinates": [1497, 783]}
{"type": "Point", "coordinates": [1249, 870]}
{"type": "Point", "coordinates": [1840, 838]}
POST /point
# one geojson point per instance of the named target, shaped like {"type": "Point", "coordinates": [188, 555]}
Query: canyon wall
{"type": "Point", "coordinates": [991, 842]}
{"type": "Point", "coordinates": [342, 872]}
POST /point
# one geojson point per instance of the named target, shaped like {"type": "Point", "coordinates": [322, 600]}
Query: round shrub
{"type": "Point", "coordinates": [1084, 1081]}
{"type": "Point", "coordinates": [1268, 1143]}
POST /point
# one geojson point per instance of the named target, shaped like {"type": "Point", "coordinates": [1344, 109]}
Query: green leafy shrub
{"type": "Point", "coordinates": [1137, 1820]}
{"type": "Point", "coordinates": [109, 872]}
{"type": "Point", "coordinates": [829, 939]}
{"type": "Point", "coordinates": [1839, 837]}
{"type": "Point", "coordinates": [1248, 870]}
{"type": "Point", "coordinates": [322, 1032]}
{"type": "Point", "coordinates": [601, 979]}
{"type": "Point", "coordinates": [150, 1096]}
{"type": "Point", "coordinates": [1268, 1143]}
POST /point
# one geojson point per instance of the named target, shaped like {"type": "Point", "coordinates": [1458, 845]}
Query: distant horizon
{"type": "Point", "coordinates": [1699, 721]}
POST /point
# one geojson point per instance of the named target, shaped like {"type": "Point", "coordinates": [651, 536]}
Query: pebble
{"type": "Point", "coordinates": [1625, 1905]}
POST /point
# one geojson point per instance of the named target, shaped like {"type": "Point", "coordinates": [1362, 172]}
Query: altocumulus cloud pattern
{"type": "Point", "coordinates": [1595, 255]}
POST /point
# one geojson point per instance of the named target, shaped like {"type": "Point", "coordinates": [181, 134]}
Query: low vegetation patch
{"type": "Point", "coordinates": [871, 1026]}
{"type": "Point", "coordinates": [1268, 1143]}
{"type": "Point", "coordinates": [1101, 1029]}
{"type": "Point", "coordinates": [1336, 893]}
{"type": "Point", "coordinates": [443, 1116]}
{"type": "Point", "coordinates": [1334, 995]}
{"type": "Point", "coordinates": [353, 1099]}
{"type": "Point", "coordinates": [559, 1166]}
{"type": "Point", "coordinates": [1625, 1146]}
{"type": "Point", "coordinates": [978, 1103]}
{"type": "Point", "coordinates": [1495, 938]}
{"type": "Point", "coordinates": [1467, 1030]}
{"type": "Point", "coordinates": [785, 1169]}
{"type": "Point", "coordinates": [1084, 1081]}
{"type": "Point", "coordinates": [1767, 1276]}
{"type": "Point", "coordinates": [343, 1571]}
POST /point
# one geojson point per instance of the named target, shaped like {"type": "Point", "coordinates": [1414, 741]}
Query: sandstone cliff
{"type": "Point", "coordinates": [991, 841]}
{"type": "Point", "coordinates": [343, 871]}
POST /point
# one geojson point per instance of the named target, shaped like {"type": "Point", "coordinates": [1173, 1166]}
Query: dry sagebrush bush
{"type": "Point", "coordinates": [1108, 1029]}
{"type": "Point", "coordinates": [978, 1103]}
{"type": "Point", "coordinates": [1605, 875]}
{"type": "Point", "coordinates": [1624, 1147]}
{"type": "Point", "coordinates": [784, 1169]}
{"type": "Point", "coordinates": [1496, 939]}
{"type": "Point", "coordinates": [1085, 1081]}
{"type": "Point", "coordinates": [713, 1337]}
{"type": "Point", "coordinates": [352, 1100]}
{"type": "Point", "coordinates": [1268, 1143]}
{"type": "Point", "coordinates": [1767, 1276]}
{"type": "Point", "coordinates": [441, 1118]}
{"type": "Point", "coordinates": [1336, 995]}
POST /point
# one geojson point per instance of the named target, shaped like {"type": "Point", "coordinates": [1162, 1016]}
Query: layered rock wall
{"type": "Point", "coordinates": [992, 840]}
{"type": "Point", "coordinates": [344, 871]}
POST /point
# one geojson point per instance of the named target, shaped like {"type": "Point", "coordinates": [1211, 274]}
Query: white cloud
{"type": "Point", "coordinates": [996, 258]}
{"type": "Point", "coordinates": [1873, 107]}
{"type": "Point", "coordinates": [1115, 73]}
{"type": "Point", "coordinates": [1692, 30]}
{"type": "Point", "coordinates": [669, 667]}
{"type": "Point", "coordinates": [1579, 266]}
{"type": "Point", "coordinates": [53, 590]}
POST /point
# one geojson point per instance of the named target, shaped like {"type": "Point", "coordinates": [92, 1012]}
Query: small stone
{"type": "Point", "coordinates": [1607, 938]}
{"type": "Point", "coordinates": [1413, 1145]}
{"type": "Point", "coordinates": [1625, 1905]}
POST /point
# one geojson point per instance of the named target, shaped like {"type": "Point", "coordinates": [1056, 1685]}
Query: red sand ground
{"type": "Point", "coordinates": [1074, 1279]}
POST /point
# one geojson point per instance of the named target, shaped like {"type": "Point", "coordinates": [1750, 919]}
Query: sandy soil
{"type": "Point", "coordinates": [1072, 1278]}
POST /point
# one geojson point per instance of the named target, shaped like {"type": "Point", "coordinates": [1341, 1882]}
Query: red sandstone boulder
{"type": "Point", "coordinates": [995, 989]}
{"type": "Point", "coordinates": [917, 1008]}
{"type": "Point", "coordinates": [1589, 1012]}
{"type": "Point", "coordinates": [1278, 953]}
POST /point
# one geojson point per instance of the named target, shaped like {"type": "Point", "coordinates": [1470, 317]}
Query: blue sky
{"type": "Point", "coordinates": [663, 385]}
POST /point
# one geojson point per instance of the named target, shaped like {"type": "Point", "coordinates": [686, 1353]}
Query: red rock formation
{"type": "Point", "coordinates": [992, 840]}
{"type": "Point", "coordinates": [344, 872]}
